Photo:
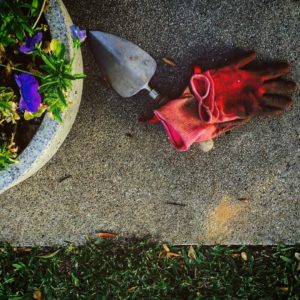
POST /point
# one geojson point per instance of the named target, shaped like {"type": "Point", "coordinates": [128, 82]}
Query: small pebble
{"type": "Point", "coordinates": [207, 145]}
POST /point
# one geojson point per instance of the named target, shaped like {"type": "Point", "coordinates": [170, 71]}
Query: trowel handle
{"type": "Point", "coordinates": [153, 93]}
{"type": "Point", "coordinates": [158, 98]}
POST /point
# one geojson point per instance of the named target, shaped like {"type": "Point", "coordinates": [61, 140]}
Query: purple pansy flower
{"type": "Point", "coordinates": [77, 33]}
{"type": "Point", "coordinates": [30, 43]}
{"type": "Point", "coordinates": [30, 98]}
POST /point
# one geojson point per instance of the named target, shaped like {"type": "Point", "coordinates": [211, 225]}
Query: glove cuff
{"type": "Point", "coordinates": [202, 87]}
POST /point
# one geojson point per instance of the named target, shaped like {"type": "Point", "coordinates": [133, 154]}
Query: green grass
{"type": "Point", "coordinates": [141, 270]}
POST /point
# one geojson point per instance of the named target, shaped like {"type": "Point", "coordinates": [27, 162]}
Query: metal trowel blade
{"type": "Point", "coordinates": [126, 66]}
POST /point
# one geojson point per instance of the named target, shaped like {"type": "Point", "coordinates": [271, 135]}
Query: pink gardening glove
{"type": "Point", "coordinates": [183, 125]}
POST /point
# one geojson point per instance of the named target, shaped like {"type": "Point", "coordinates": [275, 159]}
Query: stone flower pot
{"type": "Point", "coordinates": [50, 134]}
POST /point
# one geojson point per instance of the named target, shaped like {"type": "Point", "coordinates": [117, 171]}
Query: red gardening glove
{"type": "Point", "coordinates": [235, 93]}
{"type": "Point", "coordinates": [222, 99]}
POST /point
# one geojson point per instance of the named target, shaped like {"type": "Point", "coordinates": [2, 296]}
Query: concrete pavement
{"type": "Point", "coordinates": [115, 174]}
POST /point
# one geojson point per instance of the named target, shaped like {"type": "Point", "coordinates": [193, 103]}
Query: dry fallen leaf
{"type": "Point", "coordinates": [37, 295]}
{"type": "Point", "coordinates": [106, 235]}
{"type": "Point", "coordinates": [168, 61]}
{"type": "Point", "coordinates": [284, 289]}
{"type": "Point", "coordinates": [22, 249]}
{"type": "Point", "coordinates": [298, 266]}
{"type": "Point", "coordinates": [192, 253]}
{"type": "Point", "coordinates": [161, 254]}
{"type": "Point", "coordinates": [132, 289]}
{"type": "Point", "coordinates": [244, 256]}
{"type": "Point", "coordinates": [171, 254]}
{"type": "Point", "coordinates": [44, 27]}
{"type": "Point", "coordinates": [50, 255]}
{"type": "Point", "coordinates": [235, 255]}
{"type": "Point", "coordinates": [165, 246]}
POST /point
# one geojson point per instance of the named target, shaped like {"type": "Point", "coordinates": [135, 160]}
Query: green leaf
{"type": "Point", "coordinates": [6, 96]}
{"type": "Point", "coordinates": [79, 76]}
{"type": "Point", "coordinates": [75, 280]}
{"type": "Point", "coordinates": [56, 113]}
{"type": "Point", "coordinates": [286, 259]}
{"type": "Point", "coordinates": [57, 48]}
{"type": "Point", "coordinates": [47, 86]}
{"type": "Point", "coordinates": [60, 50]}
{"type": "Point", "coordinates": [5, 105]}
{"type": "Point", "coordinates": [69, 76]}
{"type": "Point", "coordinates": [19, 34]}
{"type": "Point", "coordinates": [62, 98]}
{"type": "Point", "coordinates": [47, 60]}
{"type": "Point", "coordinates": [35, 7]}
{"type": "Point", "coordinates": [6, 157]}
{"type": "Point", "coordinates": [27, 28]}
{"type": "Point", "coordinates": [19, 266]}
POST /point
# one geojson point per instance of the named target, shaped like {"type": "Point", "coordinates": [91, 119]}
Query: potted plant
{"type": "Point", "coordinates": [40, 86]}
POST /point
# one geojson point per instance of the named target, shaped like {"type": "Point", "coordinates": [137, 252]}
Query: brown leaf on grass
{"type": "Point", "coordinates": [192, 253]}
{"type": "Point", "coordinates": [285, 289]}
{"type": "Point", "coordinates": [22, 249]}
{"type": "Point", "coordinates": [132, 289]}
{"type": "Point", "coordinates": [171, 254]}
{"type": "Point", "coordinates": [107, 235]}
{"type": "Point", "coordinates": [244, 256]}
{"type": "Point", "coordinates": [37, 295]}
{"type": "Point", "coordinates": [168, 61]}
{"type": "Point", "coordinates": [166, 248]}
{"type": "Point", "coordinates": [235, 255]}
{"type": "Point", "coordinates": [161, 254]}
{"type": "Point", "coordinates": [298, 267]}
{"type": "Point", "coordinates": [166, 251]}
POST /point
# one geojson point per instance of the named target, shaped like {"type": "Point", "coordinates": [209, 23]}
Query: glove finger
{"type": "Point", "coordinates": [243, 61]}
{"type": "Point", "coordinates": [274, 71]}
{"type": "Point", "coordinates": [279, 87]}
{"type": "Point", "coordinates": [276, 101]}
{"type": "Point", "coordinates": [270, 111]}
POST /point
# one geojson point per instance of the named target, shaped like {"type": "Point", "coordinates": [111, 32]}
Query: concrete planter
{"type": "Point", "coordinates": [51, 134]}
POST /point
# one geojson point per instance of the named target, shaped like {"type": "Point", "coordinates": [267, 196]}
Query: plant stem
{"type": "Point", "coordinates": [48, 83]}
{"type": "Point", "coordinates": [40, 14]}
{"type": "Point", "coordinates": [23, 71]}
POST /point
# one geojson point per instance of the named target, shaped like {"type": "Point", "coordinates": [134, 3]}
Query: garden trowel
{"type": "Point", "coordinates": [126, 67]}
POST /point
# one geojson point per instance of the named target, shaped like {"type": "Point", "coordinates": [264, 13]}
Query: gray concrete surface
{"type": "Point", "coordinates": [114, 174]}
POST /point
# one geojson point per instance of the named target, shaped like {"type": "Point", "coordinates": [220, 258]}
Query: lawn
{"type": "Point", "coordinates": [140, 269]}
